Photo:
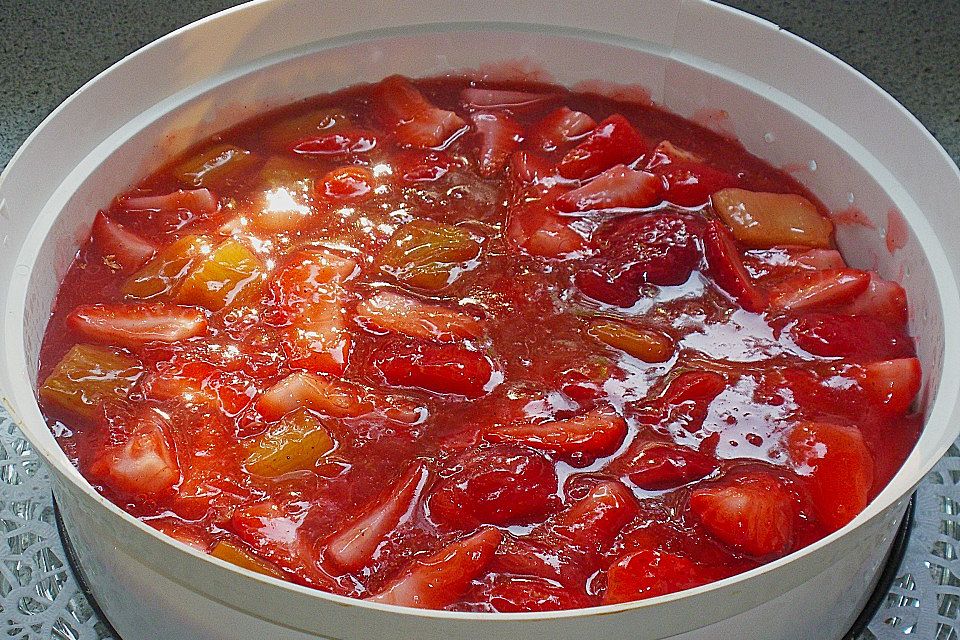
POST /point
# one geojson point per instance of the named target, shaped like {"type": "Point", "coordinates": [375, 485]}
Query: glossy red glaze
{"type": "Point", "coordinates": [476, 447]}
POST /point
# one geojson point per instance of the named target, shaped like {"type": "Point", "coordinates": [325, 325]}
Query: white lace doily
{"type": "Point", "coordinates": [41, 600]}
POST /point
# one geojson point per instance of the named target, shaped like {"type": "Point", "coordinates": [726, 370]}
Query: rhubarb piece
{"type": "Point", "coordinates": [87, 377]}
{"type": "Point", "coordinates": [298, 442]}
{"type": "Point", "coordinates": [760, 219]}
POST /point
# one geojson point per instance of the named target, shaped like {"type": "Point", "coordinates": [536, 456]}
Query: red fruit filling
{"type": "Point", "coordinates": [481, 347]}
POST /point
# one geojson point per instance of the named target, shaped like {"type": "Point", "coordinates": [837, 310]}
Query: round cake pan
{"type": "Point", "coordinates": [785, 100]}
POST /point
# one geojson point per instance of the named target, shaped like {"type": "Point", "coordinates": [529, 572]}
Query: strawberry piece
{"type": "Point", "coordinates": [324, 394]}
{"type": "Point", "coordinates": [668, 153]}
{"type": "Point", "coordinates": [308, 290]}
{"type": "Point", "coordinates": [658, 467]}
{"type": "Point", "coordinates": [690, 184]}
{"type": "Point", "coordinates": [831, 335]}
{"type": "Point", "coordinates": [390, 311]}
{"type": "Point", "coordinates": [614, 188]}
{"type": "Point", "coordinates": [347, 183]}
{"type": "Point", "coordinates": [753, 513]}
{"type": "Point", "coordinates": [499, 485]}
{"type": "Point", "coordinates": [893, 384]}
{"type": "Point", "coordinates": [587, 437]}
{"type": "Point", "coordinates": [517, 594]}
{"type": "Point", "coordinates": [143, 463]}
{"type": "Point", "coordinates": [274, 532]}
{"type": "Point", "coordinates": [819, 288]}
{"type": "Point", "coordinates": [355, 544]}
{"type": "Point", "coordinates": [420, 166]}
{"type": "Point", "coordinates": [119, 246]}
{"type": "Point", "coordinates": [477, 98]}
{"type": "Point", "coordinates": [440, 579]}
{"type": "Point", "coordinates": [726, 268]}
{"type": "Point", "coordinates": [197, 201]}
{"type": "Point", "coordinates": [318, 339]}
{"type": "Point", "coordinates": [656, 248]}
{"type": "Point", "coordinates": [687, 400]}
{"type": "Point", "coordinates": [883, 300]}
{"type": "Point", "coordinates": [498, 136]}
{"type": "Point", "coordinates": [336, 143]}
{"type": "Point", "coordinates": [614, 141]}
{"type": "Point", "coordinates": [307, 278]}
{"type": "Point", "coordinates": [133, 325]}
{"type": "Point", "coordinates": [820, 259]}
{"type": "Point", "coordinates": [413, 119]}
{"type": "Point", "coordinates": [560, 127]}
{"type": "Point", "coordinates": [445, 368]}
{"type": "Point", "coordinates": [695, 386]}
{"type": "Point", "coordinates": [838, 469]}
{"type": "Point", "coordinates": [648, 574]}
{"type": "Point", "coordinates": [535, 226]}
{"type": "Point", "coordinates": [527, 169]}
{"type": "Point", "coordinates": [592, 523]}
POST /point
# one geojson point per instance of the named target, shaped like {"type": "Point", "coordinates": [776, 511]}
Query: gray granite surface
{"type": "Point", "coordinates": [48, 48]}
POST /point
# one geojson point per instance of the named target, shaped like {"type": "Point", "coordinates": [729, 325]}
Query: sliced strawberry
{"type": "Point", "coordinates": [444, 368]}
{"type": "Point", "coordinates": [498, 136]}
{"type": "Point", "coordinates": [893, 384]}
{"type": "Point", "coordinates": [354, 544]}
{"type": "Point", "coordinates": [820, 259]}
{"type": "Point", "coordinates": [753, 513]}
{"type": "Point", "coordinates": [119, 246]}
{"type": "Point", "coordinates": [883, 300]}
{"type": "Point", "coordinates": [819, 288]}
{"type": "Point", "coordinates": [324, 394]}
{"type": "Point", "coordinates": [336, 143]}
{"type": "Point", "coordinates": [318, 339]}
{"type": "Point", "coordinates": [725, 266]}
{"type": "Point", "coordinates": [143, 463]}
{"type": "Point", "coordinates": [560, 127]}
{"type": "Point", "coordinates": [308, 289]}
{"type": "Point", "coordinates": [690, 184]}
{"type": "Point", "coordinates": [347, 183]}
{"type": "Point", "coordinates": [696, 386]}
{"type": "Point", "coordinates": [592, 523]}
{"type": "Point", "coordinates": [274, 532]}
{"type": "Point", "coordinates": [832, 335]}
{"type": "Point", "coordinates": [587, 437]}
{"type": "Point", "coordinates": [658, 248]}
{"type": "Point", "coordinates": [307, 278]}
{"type": "Point", "coordinates": [527, 169]}
{"type": "Point", "coordinates": [477, 98]}
{"type": "Point", "coordinates": [499, 485]}
{"type": "Point", "coordinates": [517, 594]}
{"type": "Point", "coordinates": [423, 166]}
{"type": "Point", "coordinates": [668, 153]}
{"type": "Point", "coordinates": [133, 325]}
{"type": "Point", "coordinates": [648, 574]}
{"type": "Point", "coordinates": [614, 141]}
{"type": "Point", "coordinates": [536, 227]}
{"type": "Point", "coordinates": [665, 466]}
{"type": "Point", "coordinates": [687, 400]}
{"type": "Point", "coordinates": [440, 579]}
{"type": "Point", "coordinates": [413, 119]}
{"type": "Point", "coordinates": [614, 188]}
{"type": "Point", "coordinates": [838, 467]}
{"type": "Point", "coordinates": [197, 201]}
{"type": "Point", "coordinates": [390, 311]}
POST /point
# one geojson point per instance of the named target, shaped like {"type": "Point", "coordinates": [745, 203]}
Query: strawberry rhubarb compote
{"type": "Point", "coordinates": [484, 348]}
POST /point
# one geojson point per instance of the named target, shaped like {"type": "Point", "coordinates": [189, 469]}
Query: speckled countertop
{"type": "Point", "coordinates": [48, 48]}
